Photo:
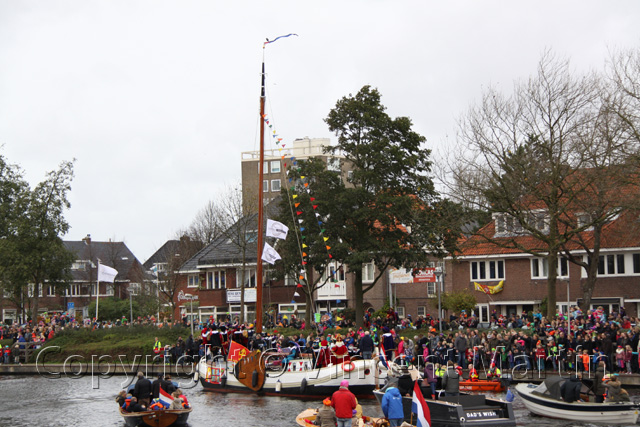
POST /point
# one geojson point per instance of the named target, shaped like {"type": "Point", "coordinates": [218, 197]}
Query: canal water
{"type": "Point", "coordinates": [37, 401]}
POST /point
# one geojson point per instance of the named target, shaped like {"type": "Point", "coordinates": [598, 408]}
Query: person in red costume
{"type": "Point", "coordinates": [340, 350]}
{"type": "Point", "coordinates": [324, 355]}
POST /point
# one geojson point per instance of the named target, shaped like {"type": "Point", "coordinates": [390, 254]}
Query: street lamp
{"type": "Point", "coordinates": [190, 298]}
{"type": "Point", "coordinates": [439, 280]}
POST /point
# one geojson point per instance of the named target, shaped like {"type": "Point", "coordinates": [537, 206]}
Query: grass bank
{"type": "Point", "coordinates": [127, 341]}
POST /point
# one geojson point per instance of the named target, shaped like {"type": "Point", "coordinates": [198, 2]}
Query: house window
{"type": "Point", "coordinates": [333, 164]}
{"type": "Point", "coordinates": [275, 185]}
{"type": "Point", "coordinates": [249, 278]}
{"type": "Point", "coordinates": [614, 264]}
{"type": "Point", "coordinates": [540, 268]}
{"type": "Point", "coordinates": [583, 219]}
{"type": "Point", "coordinates": [333, 274]}
{"type": "Point", "coordinates": [422, 310]}
{"type": "Point", "coordinates": [367, 272]}
{"type": "Point", "coordinates": [487, 270]}
{"type": "Point", "coordinates": [349, 176]}
{"type": "Point", "coordinates": [431, 288]}
{"type": "Point", "coordinates": [216, 279]}
{"type": "Point", "coordinates": [636, 263]}
{"type": "Point", "coordinates": [78, 266]}
{"type": "Point", "coordinates": [290, 280]}
{"type": "Point", "coordinates": [275, 166]}
{"type": "Point", "coordinates": [400, 311]}
{"type": "Point", "coordinates": [193, 281]}
{"type": "Point", "coordinates": [265, 186]}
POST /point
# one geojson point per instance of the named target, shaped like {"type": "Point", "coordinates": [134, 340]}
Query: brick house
{"type": "Point", "coordinates": [524, 276]}
{"type": "Point", "coordinates": [82, 289]}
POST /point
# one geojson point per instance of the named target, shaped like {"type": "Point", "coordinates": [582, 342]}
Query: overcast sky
{"type": "Point", "coordinates": [156, 99]}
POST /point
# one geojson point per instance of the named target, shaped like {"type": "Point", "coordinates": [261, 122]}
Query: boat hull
{"type": "Point", "coordinates": [308, 416]}
{"type": "Point", "coordinates": [301, 382]}
{"type": "Point", "coordinates": [600, 413]}
{"type": "Point", "coordinates": [472, 386]}
{"type": "Point", "coordinates": [164, 418]}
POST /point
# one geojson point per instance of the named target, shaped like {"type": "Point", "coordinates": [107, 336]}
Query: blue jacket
{"type": "Point", "coordinates": [392, 404]}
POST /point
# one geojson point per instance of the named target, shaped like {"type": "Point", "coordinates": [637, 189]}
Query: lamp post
{"type": "Point", "coordinates": [439, 280]}
{"type": "Point", "coordinates": [190, 298]}
{"type": "Point", "coordinates": [130, 307]}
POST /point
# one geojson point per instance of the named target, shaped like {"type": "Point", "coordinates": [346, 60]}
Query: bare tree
{"type": "Point", "coordinates": [237, 222]}
{"type": "Point", "coordinates": [176, 253]}
{"type": "Point", "coordinates": [205, 227]}
{"type": "Point", "coordinates": [519, 157]}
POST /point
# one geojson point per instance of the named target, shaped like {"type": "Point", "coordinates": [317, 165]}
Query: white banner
{"type": "Point", "coordinates": [277, 229]}
{"type": "Point", "coordinates": [106, 274]}
{"type": "Point", "coordinates": [233, 295]}
{"type": "Point", "coordinates": [269, 254]}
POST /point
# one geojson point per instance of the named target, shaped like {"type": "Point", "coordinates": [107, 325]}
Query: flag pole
{"type": "Point", "coordinates": [97, 290]}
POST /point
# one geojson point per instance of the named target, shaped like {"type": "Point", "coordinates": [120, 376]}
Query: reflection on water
{"type": "Point", "coordinates": [35, 401]}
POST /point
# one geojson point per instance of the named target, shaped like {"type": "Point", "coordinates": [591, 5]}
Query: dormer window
{"type": "Point", "coordinates": [507, 225]}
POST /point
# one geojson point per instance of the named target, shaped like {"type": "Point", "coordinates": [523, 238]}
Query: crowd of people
{"type": "Point", "coordinates": [574, 341]}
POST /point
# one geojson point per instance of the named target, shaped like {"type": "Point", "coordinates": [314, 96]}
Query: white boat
{"type": "Point", "coordinates": [544, 400]}
{"type": "Point", "coordinates": [298, 379]}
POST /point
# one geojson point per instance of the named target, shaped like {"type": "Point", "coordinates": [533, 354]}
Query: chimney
{"type": "Point", "coordinates": [87, 239]}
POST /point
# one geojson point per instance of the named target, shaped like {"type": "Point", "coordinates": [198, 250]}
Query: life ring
{"type": "Point", "coordinates": [348, 366]}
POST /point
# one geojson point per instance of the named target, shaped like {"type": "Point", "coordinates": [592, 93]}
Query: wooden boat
{"type": "Point", "coordinates": [308, 416]}
{"type": "Point", "coordinates": [163, 418]}
{"type": "Point", "coordinates": [544, 400]}
{"type": "Point", "coordinates": [464, 410]}
{"type": "Point", "coordinates": [482, 385]}
{"type": "Point", "coordinates": [298, 379]}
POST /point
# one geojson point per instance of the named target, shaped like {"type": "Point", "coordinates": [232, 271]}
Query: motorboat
{"type": "Point", "coordinates": [544, 399]}
{"type": "Point", "coordinates": [462, 410]}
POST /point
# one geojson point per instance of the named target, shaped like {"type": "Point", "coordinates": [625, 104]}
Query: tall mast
{"type": "Point", "coordinates": [260, 210]}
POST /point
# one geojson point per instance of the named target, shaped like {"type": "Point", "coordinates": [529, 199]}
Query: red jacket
{"type": "Point", "coordinates": [344, 402]}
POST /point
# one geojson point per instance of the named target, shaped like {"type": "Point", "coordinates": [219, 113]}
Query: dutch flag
{"type": "Point", "coordinates": [420, 408]}
{"type": "Point", "coordinates": [383, 356]}
{"type": "Point", "coordinates": [165, 398]}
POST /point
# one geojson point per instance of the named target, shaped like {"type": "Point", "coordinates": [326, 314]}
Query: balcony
{"type": "Point", "coordinates": [332, 290]}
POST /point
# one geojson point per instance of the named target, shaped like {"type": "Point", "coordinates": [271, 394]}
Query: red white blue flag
{"type": "Point", "coordinates": [420, 408]}
{"type": "Point", "coordinates": [383, 356]}
{"type": "Point", "coordinates": [165, 398]}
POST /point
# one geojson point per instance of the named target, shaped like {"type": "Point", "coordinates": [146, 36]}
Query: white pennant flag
{"type": "Point", "coordinates": [106, 274]}
{"type": "Point", "coordinates": [269, 254]}
{"type": "Point", "coordinates": [277, 229]}
{"type": "Point", "coordinates": [295, 294]}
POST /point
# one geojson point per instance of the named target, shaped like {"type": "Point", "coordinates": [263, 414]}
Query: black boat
{"type": "Point", "coordinates": [463, 410]}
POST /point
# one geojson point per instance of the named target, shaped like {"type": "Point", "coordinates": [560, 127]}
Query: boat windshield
{"type": "Point", "coordinates": [550, 387]}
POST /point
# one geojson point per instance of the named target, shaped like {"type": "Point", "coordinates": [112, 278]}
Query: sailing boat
{"type": "Point", "coordinates": [268, 372]}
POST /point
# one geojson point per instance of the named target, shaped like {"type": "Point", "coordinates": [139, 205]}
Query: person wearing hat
{"type": "Point", "coordinates": [615, 392]}
{"type": "Point", "coordinates": [451, 380]}
{"type": "Point", "coordinates": [598, 382]}
{"type": "Point", "coordinates": [326, 415]}
{"type": "Point", "coordinates": [344, 402]}
{"type": "Point", "coordinates": [324, 355]}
